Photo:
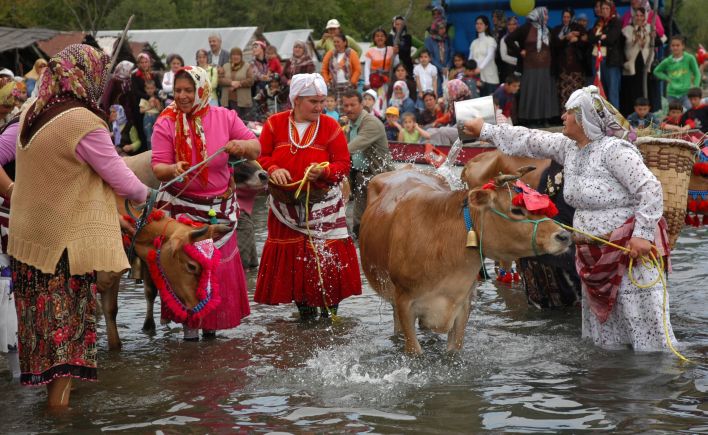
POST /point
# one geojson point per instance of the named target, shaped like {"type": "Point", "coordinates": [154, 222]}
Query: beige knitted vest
{"type": "Point", "coordinates": [59, 203]}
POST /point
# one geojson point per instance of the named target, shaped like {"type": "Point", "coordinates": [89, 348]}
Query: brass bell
{"type": "Point", "coordinates": [472, 241]}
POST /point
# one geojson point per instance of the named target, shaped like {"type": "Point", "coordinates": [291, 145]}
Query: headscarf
{"type": "Point", "coordinates": [307, 85]}
{"type": "Point", "coordinates": [184, 122]}
{"type": "Point", "coordinates": [146, 75]}
{"type": "Point", "coordinates": [33, 74]}
{"type": "Point", "coordinates": [119, 123]}
{"type": "Point", "coordinates": [457, 90]}
{"type": "Point", "coordinates": [404, 30]}
{"type": "Point", "coordinates": [79, 73]}
{"type": "Point", "coordinates": [598, 117]}
{"type": "Point", "coordinates": [640, 33]}
{"type": "Point", "coordinates": [297, 63]}
{"type": "Point", "coordinates": [123, 69]}
{"type": "Point", "coordinates": [262, 45]}
{"type": "Point", "coordinates": [7, 96]}
{"type": "Point", "coordinates": [402, 85]}
{"type": "Point", "coordinates": [566, 29]}
{"type": "Point", "coordinates": [537, 17]}
{"type": "Point", "coordinates": [437, 24]}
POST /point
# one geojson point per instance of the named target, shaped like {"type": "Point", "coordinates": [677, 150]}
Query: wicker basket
{"type": "Point", "coordinates": [671, 161]}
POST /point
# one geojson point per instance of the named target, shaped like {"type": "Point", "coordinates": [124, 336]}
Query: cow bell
{"type": "Point", "coordinates": [472, 241]}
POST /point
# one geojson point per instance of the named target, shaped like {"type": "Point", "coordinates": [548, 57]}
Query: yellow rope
{"type": "Point", "coordinates": [306, 184]}
{"type": "Point", "coordinates": [650, 262]}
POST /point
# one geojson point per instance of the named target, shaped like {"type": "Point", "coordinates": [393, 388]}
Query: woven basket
{"type": "Point", "coordinates": [671, 161]}
{"type": "Point", "coordinates": [287, 195]}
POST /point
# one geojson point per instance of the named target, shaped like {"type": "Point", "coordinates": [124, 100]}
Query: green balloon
{"type": "Point", "coordinates": [522, 7]}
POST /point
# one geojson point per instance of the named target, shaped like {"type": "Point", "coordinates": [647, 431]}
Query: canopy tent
{"type": "Point", "coordinates": [186, 42]}
{"type": "Point", "coordinates": [18, 49]}
{"type": "Point", "coordinates": [283, 41]}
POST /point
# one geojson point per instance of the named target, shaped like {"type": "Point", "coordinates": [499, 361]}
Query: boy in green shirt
{"type": "Point", "coordinates": [680, 71]}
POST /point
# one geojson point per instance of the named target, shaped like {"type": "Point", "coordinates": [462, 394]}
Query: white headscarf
{"type": "Point", "coordinates": [393, 101]}
{"type": "Point", "coordinates": [307, 85]}
{"type": "Point", "coordinates": [597, 116]}
{"type": "Point", "coordinates": [538, 19]}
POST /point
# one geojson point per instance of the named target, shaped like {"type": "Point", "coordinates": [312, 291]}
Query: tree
{"type": "Point", "coordinates": [152, 14]}
{"type": "Point", "coordinates": [88, 14]}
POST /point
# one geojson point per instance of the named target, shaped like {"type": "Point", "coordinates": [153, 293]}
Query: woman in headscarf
{"type": "Point", "coordinates": [615, 197]}
{"type": "Point", "coordinates": [300, 62]}
{"type": "Point", "coordinates": [187, 132]}
{"type": "Point", "coordinates": [8, 110]}
{"type": "Point", "coordinates": [307, 259]}
{"type": "Point", "coordinates": [400, 73]}
{"type": "Point", "coordinates": [570, 51]}
{"type": "Point", "coordinates": [63, 220]}
{"type": "Point", "coordinates": [445, 130]}
{"type": "Point", "coordinates": [341, 68]}
{"type": "Point", "coordinates": [202, 58]}
{"type": "Point", "coordinates": [402, 42]}
{"type": "Point", "coordinates": [261, 74]}
{"type": "Point", "coordinates": [538, 103]}
{"type": "Point", "coordinates": [606, 39]}
{"type": "Point", "coordinates": [33, 75]}
{"type": "Point", "coordinates": [401, 98]}
{"type": "Point", "coordinates": [482, 50]}
{"type": "Point", "coordinates": [236, 83]}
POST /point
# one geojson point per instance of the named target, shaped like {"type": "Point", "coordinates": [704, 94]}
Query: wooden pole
{"type": "Point", "coordinates": [117, 48]}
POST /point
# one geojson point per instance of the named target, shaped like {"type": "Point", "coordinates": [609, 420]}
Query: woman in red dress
{"type": "Point", "coordinates": [309, 257]}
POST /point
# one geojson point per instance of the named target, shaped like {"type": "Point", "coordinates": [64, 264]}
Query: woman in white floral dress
{"type": "Point", "coordinates": [616, 197]}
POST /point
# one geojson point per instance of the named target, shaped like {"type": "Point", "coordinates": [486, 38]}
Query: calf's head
{"type": "Point", "coordinates": [508, 230]}
{"type": "Point", "coordinates": [250, 175]}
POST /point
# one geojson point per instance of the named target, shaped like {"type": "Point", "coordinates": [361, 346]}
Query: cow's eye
{"type": "Point", "coordinates": [192, 267]}
{"type": "Point", "coordinates": [517, 211]}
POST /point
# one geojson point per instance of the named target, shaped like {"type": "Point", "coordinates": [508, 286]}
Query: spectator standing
{"type": "Point", "coordinates": [275, 65]}
{"type": "Point", "coordinates": [175, 62]}
{"type": "Point", "coordinates": [327, 41]}
{"type": "Point", "coordinates": [216, 56]}
{"type": "Point", "coordinates": [7, 103]}
{"type": "Point", "coordinates": [402, 42]}
{"type": "Point", "coordinates": [236, 83]}
{"type": "Point", "coordinates": [378, 62]}
{"type": "Point", "coordinates": [606, 36]}
{"type": "Point", "coordinates": [202, 58]}
{"type": "Point", "coordinates": [138, 79]}
{"type": "Point", "coordinates": [299, 63]}
{"type": "Point", "coordinates": [437, 43]}
{"type": "Point", "coordinates": [508, 62]}
{"type": "Point", "coordinates": [341, 68]}
{"type": "Point", "coordinates": [33, 75]}
{"type": "Point", "coordinates": [531, 43]}
{"type": "Point", "coordinates": [482, 50]}
{"type": "Point", "coordinates": [426, 75]}
{"type": "Point", "coordinates": [570, 51]}
{"type": "Point", "coordinates": [261, 71]}
{"type": "Point", "coordinates": [150, 108]}
{"type": "Point", "coordinates": [680, 71]}
{"type": "Point", "coordinates": [458, 67]}
{"type": "Point", "coordinates": [627, 18]}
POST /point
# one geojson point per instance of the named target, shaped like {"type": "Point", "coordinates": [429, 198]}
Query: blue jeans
{"type": "Point", "coordinates": [148, 123]}
{"type": "Point", "coordinates": [611, 79]}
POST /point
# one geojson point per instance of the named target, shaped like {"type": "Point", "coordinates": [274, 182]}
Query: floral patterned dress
{"type": "Point", "coordinates": [607, 183]}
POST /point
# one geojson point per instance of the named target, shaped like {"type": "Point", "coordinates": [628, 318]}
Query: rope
{"type": "Point", "coordinates": [306, 184]}
{"type": "Point", "coordinates": [651, 262]}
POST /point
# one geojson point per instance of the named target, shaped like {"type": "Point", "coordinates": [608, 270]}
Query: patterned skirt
{"type": "Point", "coordinates": [57, 323]}
{"type": "Point", "coordinates": [339, 90]}
{"type": "Point", "coordinates": [569, 82]}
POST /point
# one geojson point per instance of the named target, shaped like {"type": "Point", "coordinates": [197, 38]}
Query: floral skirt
{"type": "Point", "coordinates": [56, 316]}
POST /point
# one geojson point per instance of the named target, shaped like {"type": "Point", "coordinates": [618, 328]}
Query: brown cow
{"type": "Point", "coordinates": [413, 250]}
{"type": "Point", "coordinates": [479, 169]}
{"type": "Point", "coordinates": [181, 270]}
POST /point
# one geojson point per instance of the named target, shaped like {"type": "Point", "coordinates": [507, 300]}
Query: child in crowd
{"type": "Point", "coordinates": [392, 126]}
{"type": "Point", "coordinates": [505, 95]}
{"type": "Point", "coordinates": [372, 103]}
{"type": "Point", "coordinates": [275, 66]}
{"type": "Point", "coordinates": [642, 118]}
{"type": "Point", "coordinates": [470, 78]}
{"type": "Point", "coordinates": [697, 115]}
{"type": "Point", "coordinates": [274, 98]}
{"type": "Point", "coordinates": [430, 111]}
{"type": "Point", "coordinates": [426, 74]}
{"type": "Point", "coordinates": [673, 119]}
{"type": "Point", "coordinates": [458, 67]}
{"type": "Point", "coordinates": [124, 134]}
{"type": "Point", "coordinates": [331, 107]}
{"type": "Point", "coordinates": [680, 71]}
{"type": "Point", "coordinates": [499, 115]}
{"type": "Point", "coordinates": [150, 109]}
{"type": "Point", "coordinates": [411, 131]}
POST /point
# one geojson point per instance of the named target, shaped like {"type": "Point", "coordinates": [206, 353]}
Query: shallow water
{"type": "Point", "coordinates": [521, 370]}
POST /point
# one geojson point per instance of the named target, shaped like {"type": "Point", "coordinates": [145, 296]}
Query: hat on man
{"type": "Point", "coordinates": [333, 24]}
{"type": "Point", "coordinates": [393, 110]}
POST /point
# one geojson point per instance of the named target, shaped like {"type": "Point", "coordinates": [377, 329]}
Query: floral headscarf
{"type": "Point", "coordinates": [78, 72]}
{"type": "Point", "coordinates": [538, 19]}
{"type": "Point", "coordinates": [192, 121]}
{"type": "Point", "coordinates": [123, 69]}
{"type": "Point", "coordinates": [7, 94]}
{"type": "Point", "coordinates": [597, 116]}
{"type": "Point", "coordinates": [145, 75]}
{"type": "Point", "coordinates": [399, 85]}
{"type": "Point", "coordinates": [457, 90]}
{"type": "Point", "coordinates": [302, 61]}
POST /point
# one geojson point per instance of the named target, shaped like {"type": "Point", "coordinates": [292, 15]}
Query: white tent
{"type": "Point", "coordinates": [186, 42]}
{"type": "Point", "coordinates": [284, 40]}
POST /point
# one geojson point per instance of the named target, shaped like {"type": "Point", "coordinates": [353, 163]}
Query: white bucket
{"type": "Point", "coordinates": [482, 107]}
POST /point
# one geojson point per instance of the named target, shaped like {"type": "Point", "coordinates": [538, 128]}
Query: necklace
{"type": "Point", "coordinates": [300, 144]}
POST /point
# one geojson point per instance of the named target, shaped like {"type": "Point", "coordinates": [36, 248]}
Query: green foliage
{"type": "Point", "coordinates": [692, 16]}
{"type": "Point", "coordinates": [153, 14]}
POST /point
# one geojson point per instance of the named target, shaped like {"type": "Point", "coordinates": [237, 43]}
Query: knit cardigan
{"type": "Point", "coordinates": [60, 204]}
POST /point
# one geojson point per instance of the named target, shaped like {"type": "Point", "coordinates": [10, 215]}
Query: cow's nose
{"type": "Point", "coordinates": [262, 176]}
{"type": "Point", "coordinates": [563, 236]}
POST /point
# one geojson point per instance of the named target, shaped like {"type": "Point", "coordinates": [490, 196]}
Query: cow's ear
{"type": "Point", "coordinates": [196, 234]}
{"type": "Point", "coordinates": [481, 197]}
{"type": "Point", "coordinates": [218, 230]}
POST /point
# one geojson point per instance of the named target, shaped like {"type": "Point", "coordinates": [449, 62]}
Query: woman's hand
{"type": "Point", "coordinates": [179, 168]}
{"type": "Point", "coordinates": [315, 172]}
{"type": "Point", "coordinates": [281, 176]}
{"type": "Point", "coordinates": [639, 247]}
{"type": "Point", "coordinates": [473, 127]}
{"type": "Point", "coordinates": [126, 226]}
{"type": "Point", "coordinates": [235, 148]}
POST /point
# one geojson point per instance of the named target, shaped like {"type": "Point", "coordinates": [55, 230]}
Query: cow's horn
{"type": "Point", "coordinates": [525, 170]}
{"type": "Point", "coordinates": [199, 232]}
{"type": "Point", "coordinates": [505, 178]}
